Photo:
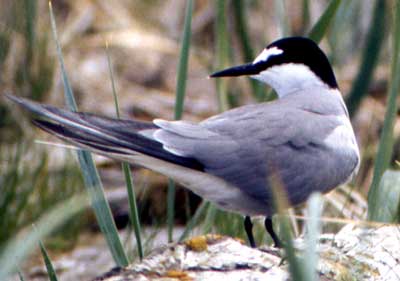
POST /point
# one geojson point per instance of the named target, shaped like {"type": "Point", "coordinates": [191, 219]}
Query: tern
{"type": "Point", "coordinates": [303, 139]}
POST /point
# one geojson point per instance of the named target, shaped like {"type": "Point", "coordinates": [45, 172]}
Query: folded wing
{"type": "Point", "coordinates": [102, 133]}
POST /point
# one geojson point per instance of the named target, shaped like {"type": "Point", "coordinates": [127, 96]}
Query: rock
{"type": "Point", "coordinates": [355, 253]}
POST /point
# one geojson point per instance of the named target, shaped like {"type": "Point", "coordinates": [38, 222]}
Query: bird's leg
{"type": "Point", "coordinates": [248, 227]}
{"type": "Point", "coordinates": [270, 229]}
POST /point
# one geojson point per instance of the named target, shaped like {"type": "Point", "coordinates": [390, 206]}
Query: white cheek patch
{"type": "Point", "coordinates": [288, 78]}
{"type": "Point", "coordinates": [266, 53]}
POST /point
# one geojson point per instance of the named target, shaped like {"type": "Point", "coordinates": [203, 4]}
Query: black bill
{"type": "Point", "coordinates": [245, 69]}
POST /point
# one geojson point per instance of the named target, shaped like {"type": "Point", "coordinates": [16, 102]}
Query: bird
{"type": "Point", "coordinates": [303, 138]}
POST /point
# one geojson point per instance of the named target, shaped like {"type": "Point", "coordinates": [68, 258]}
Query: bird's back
{"type": "Point", "coordinates": [282, 141]}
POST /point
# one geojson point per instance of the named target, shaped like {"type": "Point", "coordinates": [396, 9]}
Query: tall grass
{"type": "Point", "coordinates": [305, 15]}
{"type": "Point", "coordinates": [385, 149]}
{"type": "Point", "coordinates": [29, 189]}
{"type": "Point", "coordinates": [370, 56]}
{"type": "Point", "coordinates": [32, 69]}
{"type": "Point", "coordinates": [321, 26]}
{"type": "Point", "coordinates": [89, 171]}
{"type": "Point", "coordinates": [313, 226]}
{"type": "Point", "coordinates": [207, 212]}
{"type": "Point", "coordinates": [384, 205]}
{"type": "Point", "coordinates": [49, 265]}
{"type": "Point", "coordinates": [222, 53]}
{"type": "Point", "coordinates": [181, 78]}
{"type": "Point", "coordinates": [133, 209]}
{"type": "Point", "coordinates": [179, 102]}
{"type": "Point", "coordinates": [282, 19]}
{"type": "Point", "coordinates": [240, 14]}
{"type": "Point", "coordinates": [281, 206]}
{"type": "Point", "coordinates": [15, 252]}
{"type": "Point", "coordinates": [201, 210]}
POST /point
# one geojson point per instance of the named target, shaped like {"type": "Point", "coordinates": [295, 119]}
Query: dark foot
{"type": "Point", "coordinates": [248, 227]}
{"type": "Point", "coordinates": [270, 230]}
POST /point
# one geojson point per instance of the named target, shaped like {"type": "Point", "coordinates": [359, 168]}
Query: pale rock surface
{"type": "Point", "coordinates": [355, 253]}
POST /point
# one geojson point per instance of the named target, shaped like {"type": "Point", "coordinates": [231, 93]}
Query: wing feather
{"type": "Point", "coordinates": [245, 147]}
{"type": "Point", "coordinates": [108, 133]}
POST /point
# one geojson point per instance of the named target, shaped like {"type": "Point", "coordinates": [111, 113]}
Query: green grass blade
{"type": "Point", "coordinates": [305, 15]}
{"type": "Point", "coordinates": [49, 266]}
{"type": "Point", "coordinates": [209, 220]}
{"type": "Point", "coordinates": [30, 27]}
{"type": "Point", "coordinates": [222, 54]}
{"type": "Point", "coordinates": [90, 174]}
{"type": "Point", "coordinates": [69, 96]}
{"type": "Point", "coordinates": [20, 276]}
{"type": "Point", "coordinates": [282, 18]}
{"type": "Point", "coordinates": [313, 232]}
{"type": "Point", "coordinates": [222, 57]}
{"type": "Point", "coordinates": [134, 213]}
{"type": "Point", "coordinates": [370, 58]}
{"type": "Point", "coordinates": [385, 148]}
{"type": "Point", "coordinates": [113, 88]}
{"type": "Point", "coordinates": [342, 31]}
{"type": "Point", "coordinates": [242, 30]}
{"type": "Point", "coordinates": [101, 208]}
{"type": "Point", "coordinates": [281, 204]}
{"type": "Point", "coordinates": [201, 210]}
{"type": "Point", "coordinates": [183, 61]}
{"type": "Point", "coordinates": [179, 102]}
{"type": "Point", "coordinates": [133, 209]}
{"type": "Point", "coordinates": [171, 209]}
{"type": "Point", "coordinates": [295, 265]}
{"type": "Point", "coordinates": [387, 201]}
{"type": "Point", "coordinates": [239, 9]}
{"type": "Point", "coordinates": [15, 252]}
{"type": "Point", "coordinates": [4, 46]}
{"type": "Point", "coordinates": [321, 26]}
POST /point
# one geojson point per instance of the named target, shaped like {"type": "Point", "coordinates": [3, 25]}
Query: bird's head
{"type": "Point", "coordinates": [288, 65]}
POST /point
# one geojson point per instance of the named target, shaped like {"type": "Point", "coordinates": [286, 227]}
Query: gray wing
{"type": "Point", "coordinates": [105, 135]}
{"type": "Point", "coordinates": [244, 146]}
{"type": "Point", "coordinates": [247, 146]}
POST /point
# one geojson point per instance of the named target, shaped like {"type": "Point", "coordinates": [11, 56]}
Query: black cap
{"type": "Point", "coordinates": [299, 50]}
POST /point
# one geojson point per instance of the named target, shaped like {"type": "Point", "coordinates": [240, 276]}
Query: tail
{"type": "Point", "coordinates": [115, 138]}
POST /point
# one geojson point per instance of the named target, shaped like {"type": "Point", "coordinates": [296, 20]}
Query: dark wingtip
{"type": "Point", "coordinates": [44, 125]}
{"type": "Point", "coordinates": [21, 101]}
{"type": "Point", "coordinates": [13, 98]}
{"type": "Point", "coordinates": [29, 105]}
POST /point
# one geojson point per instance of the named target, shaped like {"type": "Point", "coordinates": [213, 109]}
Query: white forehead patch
{"type": "Point", "coordinates": [266, 53]}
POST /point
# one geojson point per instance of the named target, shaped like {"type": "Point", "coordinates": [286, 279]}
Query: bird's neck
{"type": "Point", "coordinates": [287, 79]}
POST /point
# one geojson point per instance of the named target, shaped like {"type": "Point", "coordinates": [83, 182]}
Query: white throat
{"type": "Point", "coordinates": [289, 78]}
